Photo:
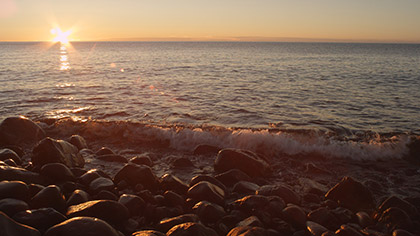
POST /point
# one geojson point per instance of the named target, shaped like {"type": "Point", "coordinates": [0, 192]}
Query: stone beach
{"type": "Point", "coordinates": [57, 181]}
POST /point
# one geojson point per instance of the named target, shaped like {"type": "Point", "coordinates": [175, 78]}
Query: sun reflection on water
{"type": "Point", "coordinates": [64, 59]}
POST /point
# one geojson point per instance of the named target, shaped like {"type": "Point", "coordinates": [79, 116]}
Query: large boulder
{"type": "Point", "coordinates": [18, 130]}
{"type": "Point", "coordinates": [351, 194]}
{"type": "Point", "coordinates": [12, 228]}
{"type": "Point", "coordinates": [137, 174]}
{"type": "Point", "coordinates": [111, 211]}
{"type": "Point", "coordinates": [57, 151]}
{"type": "Point", "coordinates": [20, 174]}
{"type": "Point", "coordinates": [41, 219]}
{"type": "Point", "coordinates": [82, 226]}
{"type": "Point", "coordinates": [246, 161]}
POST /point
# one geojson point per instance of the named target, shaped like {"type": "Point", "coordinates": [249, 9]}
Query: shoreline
{"type": "Point", "coordinates": [308, 178]}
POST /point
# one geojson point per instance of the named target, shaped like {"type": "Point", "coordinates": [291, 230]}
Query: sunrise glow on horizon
{"type": "Point", "coordinates": [186, 20]}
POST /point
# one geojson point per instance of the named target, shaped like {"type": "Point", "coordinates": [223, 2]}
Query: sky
{"type": "Point", "coordinates": [213, 20]}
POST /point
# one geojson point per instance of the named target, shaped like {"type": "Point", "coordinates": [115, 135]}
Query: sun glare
{"type": "Point", "coordinates": [61, 36]}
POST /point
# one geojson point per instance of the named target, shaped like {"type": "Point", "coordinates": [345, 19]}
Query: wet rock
{"type": "Point", "coordinates": [10, 162]}
{"type": "Point", "coordinates": [401, 232]}
{"type": "Point", "coordinates": [245, 187]}
{"type": "Point", "coordinates": [208, 178]}
{"type": "Point", "coordinates": [82, 226]}
{"type": "Point", "coordinates": [247, 231]}
{"type": "Point", "coordinates": [346, 230]}
{"type": "Point", "coordinates": [206, 191]}
{"type": "Point", "coordinates": [173, 183]}
{"type": "Point", "coordinates": [324, 217]}
{"type": "Point", "coordinates": [34, 189]}
{"type": "Point", "coordinates": [282, 191]}
{"type": "Point", "coordinates": [134, 204]}
{"type": "Point", "coordinates": [295, 215]}
{"type": "Point", "coordinates": [78, 196]}
{"type": "Point", "coordinates": [395, 218]}
{"type": "Point", "coordinates": [231, 177]}
{"type": "Point", "coordinates": [181, 162]}
{"type": "Point", "coordinates": [104, 151]}
{"type": "Point", "coordinates": [110, 211]}
{"type": "Point", "coordinates": [41, 219]}
{"type": "Point", "coordinates": [364, 219]}
{"type": "Point", "coordinates": [167, 224]}
{"type": "Point", "coordinates": [142, 160]}
{"type": "Point", "coordinates": [315, 229]}
{"type": "Point", "coordinates": [106, 195]}
{"type": "Point", "coordinates": [9, 154]}
{"type": "Point", "coordinates": [343, 215]}
{"type": "Point", "coordinates": [100, 184]}
{"type": "Point", "coordinates": [395, 201]}
{"type": "Point", "coordinates": [251, 221]}
{"type": "Point", "coordinates": [56, 151]}
{"type": "Point", "coordinates": [351, 194]}
{"type": "Point", "coordinates": [77, 172]}
{"type": "Point", "coordinates": [89, 176]}
{"type": "Point", "coordinates": [190, 228]}
{"type": "Point", "coordinates": [14, 189]}
{"type": "Point", "coordinates": [148, 233]}
{"type": "Point", "coordinates": [18, 150]}
{"type": "Point", "coordinates": [50, 196]}
{"type": "Point", "coordinates": [20, 174]}
{"type": "Point", "coordinates": [251, 203]}
{"type": "Point", "coordinates": [57, 172]}
{"type": "Point", "coordinates": [10, 227]}
{"type": "Point", "coordinates": [137, 174]}
{"type": "Point", "coordinates": [246, 161]}
{"type": "Point", "coordinates": [78, 141]}
{"type": "Point", "coordinates": [112, 158]}
{"type": "Point", "coordinates": [275, 206]}
{"type": "Point", "coordinates": [205, 149]}
{"type": "Point", "coordinates": [11, 206]}
{"type": "Point", "coordinates": [208, 212]}
{"type": "Point", "coordinates": [173, 199]}
{"type": "Point", "coordinates": [18, 130]}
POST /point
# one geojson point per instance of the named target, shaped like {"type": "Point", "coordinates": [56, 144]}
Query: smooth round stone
{"type": "Point", "coordinates": [106, 195]}
{"type": "Point", "coordinates": [245, 187]}
{"type": "Point", "coordinates": [295, 215]}
{"type": "Point", "coordinates": [208, 178]}
{"type": "Point", "coordinates": [206, 191]}
{"type": "Point", "coordinates": [18, 130]}
{"type": "Point", "coordinates": [57, 172]}
{"type": "Point", "coordinates": [11, 206]}
{"type": "Point", "coordinates": [204, 149]}
{"type": "Point", "coordinates": [9, 154]}
{"type": "Point", "coordinates": [209, 212]}
{"type": "Point", "coordinates": [173, 199]}
{"type": "Point", "coordinates": [246, 161]}
{"type": "Point", "coordinates": [9, 227]}
{"type": "Point", "coordinates": [401, 232]}
{"type": "Point", "coordinates": [166, 224]}
{"type": "Point", "coordinates": [82, 226]}
{"type": "Point", "coordinates": [89, 176]}
{"type": "Point", "coordinates": [191, 228]}
{"type": "Point", "coordinates": [50, 196]}
{"type": "Point", "coordinates": [173, 183]}
{"type": "Point", "coordinates": [148, 233]}
{"type": "Point", "coordinates": [134, 203]}
{"type": "Point", "coordinates": [78, 196]}
{"type": "Point", "coordinates": [78, 141]}
{"type": "Point", "coordinates": [41, 219]}
{"type": "Point", "coordinates": [251, 203]}
{"type": "Point", "coordinates": [100, 184]}
{"type": "Point", "coordinates": [137, 174]}
{"type": "Point", "coordinates": [108, 210]}
{"type": "Point", "coordinates": [364, 219]}
{"type": "Point", "coordinates": [231, 177]}
{"type": "Point", "coordinates": [251, 221]}
{"type": "Point", "coordinates": [14, 189]}
{"type": "Point", "coordinates": [315, 229]}
{"type": "Point", "coordinates": [104, 151]}
{"type": "Point", "coordinates": [283, 191]}
{"type": "Point", "coordinates": [142, 160]}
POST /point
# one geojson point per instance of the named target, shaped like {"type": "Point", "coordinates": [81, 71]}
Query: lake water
{"type": "Point", "coordinates": [338, 99]}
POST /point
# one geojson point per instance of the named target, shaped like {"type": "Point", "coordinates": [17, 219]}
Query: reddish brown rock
{"type": "Point", "coordinates": [82, 226]}
{"type": "Point", "coordinates": [148, 233]}
{"type": "Point", "coordinates": [315, 229]}
{"type": "Point", "coordinates": [208, 212]}
{"type": "Point", "coordinates": [107, 210]}
{"type": "Point", "coordinates": [191, 229]}
{"type": "Point", "coordinates": [137, 174]}
{"type": "Point", "coordinates": [206, 191]}
{"type": "Point", "coordinates": [246, 161]}
{"type": "Point", "coordinates": [6, 154]}
{"type": "Point", "coordinates": [282, 191]}
{"type": "Point", "coordinates": [78, 141]}
{"type": "Point", "coordinates": [50, 196]}
{"type": "Point", "coordinates": [295, 215]}
{"type": "Point", "coordinates": [134, 204]}
{"type": "Point", "coordinates": [18, 130]}
{"type": "Point", "coordinates": [173, 183]}
{"type": "Point", "coordinates": [41, 219]}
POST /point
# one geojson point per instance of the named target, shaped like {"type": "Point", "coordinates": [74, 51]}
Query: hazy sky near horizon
{"type": "Point", "coordinates": [319, 20]}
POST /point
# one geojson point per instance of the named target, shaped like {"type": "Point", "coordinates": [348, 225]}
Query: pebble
{"type": "Point", "coordinates": [247, 231]}
{"type": "Point", "coordinates": [82, 226]}
{"type": "Point", "coordinates": [208, 212]}
{"type": "Point", "coordinates": [78, 141]}
{"type": "Point", "coordinates": [50, 196]}
{"type": "Point", "coordinates": [137, 174]}
{"type": "Point", "coordinates": [12, 228]}
{"type": "Point", "coordinates": [246, 161]}
{"type": "Point", "coordinates": [57, 172]}
{"type": "Point", "coordinates": [133, 203]}
{"type": "Point", "coordinates": [9, 154]}
{"type": "Point", "coordinates": [41, 219]}
{"type": "Point", "coordinates": [110, 211]}
{"type": "Point", "coordinates": [100, 184]}
{"type": "Point", "coordinates": [14, 189]}
{"type": "Point", "coordinates": [231, 177]}
{"type": "Point", "coordinates": [295, 215]}
{"type": "Point", "coordinates": [78, 196]}
{"type": "Point", "coordinates": [206, 191]}
{"type": "Point", "coordinates": [315, 229]}
{"type": "Point", "coordinates": [148, 233]}
{"type": "Point", "coordinates": [11, 206]}
{"type": "Point", "coordinates": [19, 130]}
{"type": "Point", "coordinates": [142, 160]}
{"type": "Point", "coordinates": [191, 228]}
{"type": "Point", "coordinates": [167, 224]}
{"type": "Point", "coordinates": [173, 183]}
{"type": "Point", "coordinates": [283, 191]}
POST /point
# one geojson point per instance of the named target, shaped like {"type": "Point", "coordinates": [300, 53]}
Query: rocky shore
{"type": "Point", "coordinates": [57, 182]}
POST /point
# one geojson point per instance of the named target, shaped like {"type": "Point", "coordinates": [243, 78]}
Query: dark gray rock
{"type": "Point", "coordinates": [14, 189]}
{"type": "Point", "coordinates": [20, 174]}
{"type": "Point", "coordinates": [173, 199]}
{"type": "Point", "coordinates": [11, 206]}
{"type": "Point", "coordinates": [107, 210]}
{"type": "Point", "coordinates": [18, 130]}
{"type": "Point", "coordinates": [295, 215]}
{"type": "Point", "coordinates": [364, 219]}
{"type": "Point", "coordinates": [324, 217]}
{"type": "Point", "coordinates": [50, 196]}
{"type": "Point", "coordinates": [394, 201]}
{"type": "Point", "coordinates": [208, 178]}
{"type": "Point", "coordinates": [137, 174]}
{"type": "Point", "coordinates": [89, 176]}
{"type": "Point", "coordinates": [106, 195]}
{"type": "Point", "coordinates": [82, 226]}
{"type": "Point", "coordinates": [41, 219]}
{"type": "Point", "coordinates": [78, 196]}
{"type": "Point", "coordinates": [245, 187]}
{"type": "Point", "coordinates": [134, 204]}
{"type": "Point", "coordinates": [78, 141]}
{"type": "Point", "coordinates": [208, 212]}
{"type": "Point", "coordinates": [173, 183]}
{"type": "Point", "coordinates": [346, 230]}
{"type": "Point", "coordinates": [396, 218]}
{"type": "Point", "coordinates": [142, 160]}
{"type": "Point", "coordinates": [282, 191]}
{"type": "Point", "coordinates": [100, 184]}
{"type": "Point", "coordinates": [206, 191]}
{"type": "Point", "coordinates": [56, 151]}
{"type": "Point", "coordinates": [190, 228]}
{"type": "Point", "coordinates": [167, 224]}
{"type": "Point", "coordinates": [10, 227]}
{"type": "Point", "coordinates": [231, 177]}
{"type": "Point", "coordinates": [351, 194]}
{"type": "Point", "coordinates": [251, 203]}
{"type": "Point", "coordinates": [9, 154]}
{"type": "Point", "coordinates": [246, 161]}
{"type": "Point", "coordinates": [57, 172]}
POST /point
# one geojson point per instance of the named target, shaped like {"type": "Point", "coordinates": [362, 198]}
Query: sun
{"type": "Point", "coordinates": [61, 36]}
